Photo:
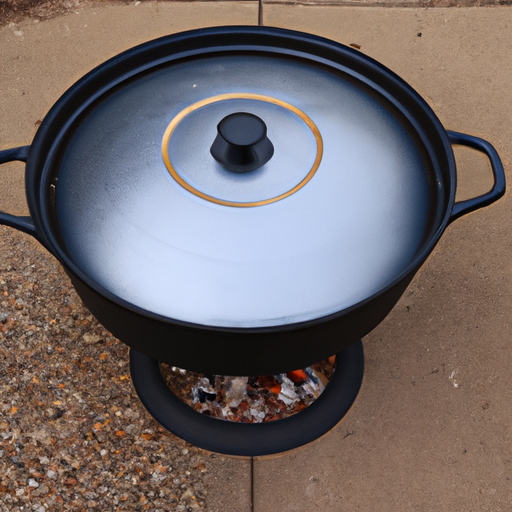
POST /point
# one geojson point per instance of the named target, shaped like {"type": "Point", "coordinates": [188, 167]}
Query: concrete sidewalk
{"type": "Point", "coordinates": [432, 427]}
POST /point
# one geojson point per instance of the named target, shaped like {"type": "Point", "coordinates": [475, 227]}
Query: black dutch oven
{"type": "Point", "coordinates": [242, 200]}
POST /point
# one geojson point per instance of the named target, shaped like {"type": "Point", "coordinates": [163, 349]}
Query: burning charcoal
{"type": "Point", "coordinates": [324, 369]}
{"type": "Point", "coordinates": [258, 415]}
{"type": "Point", "coordinates": [258, 410]}
{"type": "Point", "coordinates": [203, 391]}
{"type": "Point", "coordinates": [310, 392]}
{"type": "Point", "coordinates": [236, 390]}
{"type": "Point", "coordinates": [320, 376]}
{"type": "Point", "coordinates": [287, 394]}
{"type": "Point", "coordinates": [269, 382]}
{"type": "Point", "coordinates": [242, 413]}
{"type": "Point", "coordinates": [297, 376]}
{"type": "Point", "coordinates": [254, 399]}
{"type": "Point", "coordinates": [273, 410]}
{"type": "Point", "coordinates": [204, 396]}
{"type": "Point", "coordinates": [315, 383]}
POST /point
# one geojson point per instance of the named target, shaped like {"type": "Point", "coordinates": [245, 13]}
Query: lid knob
{"type": "Point", "coordinates": [242, 144]}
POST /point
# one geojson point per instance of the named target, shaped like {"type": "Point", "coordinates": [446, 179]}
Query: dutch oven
{"type": "Point", "coordinates": [242, 200]}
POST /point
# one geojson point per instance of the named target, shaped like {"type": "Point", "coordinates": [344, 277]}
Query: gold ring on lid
{"type": "Point", "coordinates": [232, 96]}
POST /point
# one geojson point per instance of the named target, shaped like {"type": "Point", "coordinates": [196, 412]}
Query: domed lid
{"type": "Point", "coordinates": [243, 187]}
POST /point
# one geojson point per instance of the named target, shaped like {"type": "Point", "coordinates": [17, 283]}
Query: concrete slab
{"type": "Point", "coordinates": [39, 61]}
{"type": "Point", "coordinates": [394, 3]}
{"type": "Point", "coordinates": [431, 429]}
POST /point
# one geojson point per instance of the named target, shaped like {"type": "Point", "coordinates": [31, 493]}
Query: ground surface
{"type": "Point", "coordinates": [13, 11]}
{"type": "Point", "coordinates": [431, 429]}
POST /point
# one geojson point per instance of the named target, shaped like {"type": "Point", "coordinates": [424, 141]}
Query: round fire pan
{"type": "Point", "coordinates": [250, 439]}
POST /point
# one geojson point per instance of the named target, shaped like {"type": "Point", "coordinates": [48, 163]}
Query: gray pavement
{"type": "Point", "coordinates": [431, 429]}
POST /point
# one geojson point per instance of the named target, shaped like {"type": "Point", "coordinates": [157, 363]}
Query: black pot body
{"type": "Point", "coordinates": [242, 352]}
{"type": "Point", "coordinates": [238, 351]}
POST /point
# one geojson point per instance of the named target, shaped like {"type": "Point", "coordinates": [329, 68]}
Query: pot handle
{"type": "Point", "coordinates": [21, 223]}
{"type": "Point", "coordinates": [498, 189]}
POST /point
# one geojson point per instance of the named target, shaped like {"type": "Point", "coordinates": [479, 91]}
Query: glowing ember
{"type": "Point", "coordinates": [250, 399]}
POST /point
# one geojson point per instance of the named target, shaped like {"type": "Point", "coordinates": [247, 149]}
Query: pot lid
{"type": "Point", "coordinates": [148, 209]}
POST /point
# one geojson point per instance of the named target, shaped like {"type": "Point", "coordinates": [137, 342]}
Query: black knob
{"type": "Point", "coordinates": [242, 144]}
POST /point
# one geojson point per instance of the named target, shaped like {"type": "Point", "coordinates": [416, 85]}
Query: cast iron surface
{"type": "Point", "coordinates": [338, 239]}
{"type": "Point", "coordinates": [250, 439]}
{"type": "Point", "coordinates": [24, 223]}
{"type": "Point", "coordinates": [231, 351]}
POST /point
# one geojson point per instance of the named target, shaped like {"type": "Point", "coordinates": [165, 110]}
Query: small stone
{"type": "Point", "coordinates": [131, 429]}
{"type": "Point", "coordinates": [91, 339]}
{"type": "Point", "coordinates": [51, 474]}
{"type": "Point", "coordinates": [187, 495]}
{"type": "Point", "coordinates": [157, 476]}
{"type": "Point", "coordinates": [33, 483]}
{"type": "Point", "coordinates": [130, 413]}
{"type": "Point", "coordinates": [184, 451]}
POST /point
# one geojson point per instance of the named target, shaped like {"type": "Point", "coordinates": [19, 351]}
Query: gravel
{"type": "Point", "coordinates": [73, 434]}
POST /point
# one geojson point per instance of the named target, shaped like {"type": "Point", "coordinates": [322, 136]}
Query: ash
{"type": "Point", "coordinates": [253, 399]}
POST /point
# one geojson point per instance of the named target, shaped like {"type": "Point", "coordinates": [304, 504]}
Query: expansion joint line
{"type": "Point", "coordinates": [252, 478]}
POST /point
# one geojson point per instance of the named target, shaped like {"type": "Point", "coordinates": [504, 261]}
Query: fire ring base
{"type": "Point", "coordinates": [250, 439]}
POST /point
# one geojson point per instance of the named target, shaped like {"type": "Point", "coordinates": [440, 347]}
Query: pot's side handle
{"type": "Point", "coordinates": [498, 189]}
{"type": "Point", "coordinates": [24, 224]}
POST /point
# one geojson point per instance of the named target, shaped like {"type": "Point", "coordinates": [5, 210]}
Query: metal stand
{"type": "Point", "coordinates": [250, 439]}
